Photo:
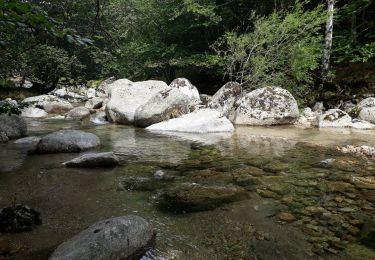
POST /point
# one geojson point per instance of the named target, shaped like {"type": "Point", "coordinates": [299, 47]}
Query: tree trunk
{"type": "Point", "coordinates": [328, 40]}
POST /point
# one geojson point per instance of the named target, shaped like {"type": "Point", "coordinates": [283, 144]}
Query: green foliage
{"type": "Point", "coordinates": [354, 113]}
{"type": "Point", "coordinates": [48, 64]}
{"type": "Point", "coordinates": [282, 49]}
{"type": "Point", "coordinates": [10, 108]}
{"type": "Point", "coordinates": [355, 31]}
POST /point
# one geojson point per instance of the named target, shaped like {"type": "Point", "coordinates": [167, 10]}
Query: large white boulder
{"type": "Point", "coordinates": [50, 104]}
{"type": "Point", "coordinates": [225, 98]}
{"type": "Point", "coordinates": [361, 124]}
{"type": "Point", "coordinates": [125, 97]}
{"type": "Point", "coordinates": [167, 104]}
{"type": "Point", "coordinates": [267, 106]}
{"type": "Point", "coordinates": [33, 112]}
{"type": "Point", "coordinates": [335, 118]}
{"type": "Point", "coordinates": [367, 110]}
{"type": "Point", "coordinates": [185, 86]}
{"type": "Point", "coordinates": [200, 121]}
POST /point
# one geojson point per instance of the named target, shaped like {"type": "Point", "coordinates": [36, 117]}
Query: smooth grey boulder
{"type": "Point", "coordinates": [267, 106]}
{"type": "Point", "coordinates": [119, 238]}
{"type": "Point", "coordinates": [78, 113]}
{"type": "Point", "coordinates": [104, 160]}
{"type": "Point", "coordinates": [225, 98]}
{"type": "Point", "coordinates": [367, 110]}
{"type": "Point", "coordinates": [165, 105]}
{"type": "Point", "coordinates": [125, 97]}
{"type": "Point", "coordinates": [67, 141]}
{"type": "Point", "coordinates": [335, 118]}
{"type": "Point", "coordinates": [12, 127]}
{"type": "Point", "coordinates": [30, 143]}
{"type": "Point", "coordinates": [30, 140]}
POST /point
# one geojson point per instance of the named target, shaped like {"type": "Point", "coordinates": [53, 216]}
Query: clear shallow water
{"type": "Point", "coordinates": [71, 199]}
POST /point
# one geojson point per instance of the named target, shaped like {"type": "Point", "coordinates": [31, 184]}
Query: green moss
{"type": "Point", "coordinates": [94, 83]}
{"type": "Point", "coordinates": [354, 113]}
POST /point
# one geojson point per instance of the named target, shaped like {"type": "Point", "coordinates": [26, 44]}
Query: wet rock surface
{"type": "Point", "coordinates": [67, 141]}
{"type": "Point", "coordinates": [194, 197]}
{"type": "Point", "coordinates": [127, 237]}
{"type": "Point", "coordinates": [92, 160]}
{"type": "Point", "coordinates": [18, 218]}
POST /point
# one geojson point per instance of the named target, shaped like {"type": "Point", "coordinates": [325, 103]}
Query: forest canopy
{"type": "Point", "coordinates": [208, 41]}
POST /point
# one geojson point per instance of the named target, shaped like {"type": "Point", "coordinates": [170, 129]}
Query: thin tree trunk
{"type": "Point", "coordinates": [328, 40]}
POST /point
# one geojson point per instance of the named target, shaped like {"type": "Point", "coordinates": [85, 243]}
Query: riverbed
{"type": "Point", "coordinates": [278, 166]}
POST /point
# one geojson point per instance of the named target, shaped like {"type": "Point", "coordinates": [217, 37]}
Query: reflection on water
{"type": "Point", "coordinates": [273, 164]}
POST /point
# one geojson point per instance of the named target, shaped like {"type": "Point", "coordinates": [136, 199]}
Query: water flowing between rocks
{"type": "Point", "coordinates": [293, 206]}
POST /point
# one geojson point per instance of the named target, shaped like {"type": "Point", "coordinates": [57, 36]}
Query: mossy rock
{"type": "Point", "coordinates": [209, 176]}
{"type": "Point", "coordinates": [94, 83]}
{"type": "Point", "coordinates": [248, 170]}
{"type": "Point", "coordinates": [188, 197]}
{"type": "Point", "coordinates": [140, 184]}
{"type": "Point", "coordinates": [248, 182]}
{"type": "Point", "coordinates": [368, 234]}
{"type": "Point", "coordinates": [276, 166]}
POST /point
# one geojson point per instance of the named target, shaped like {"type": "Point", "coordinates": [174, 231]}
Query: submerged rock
{"type": "Point", "coordinates": [126, 237]}
{"type": "Point", "coordinates": [267, 106]}
{"type": "Point", "coordinates": [195, 197]}
{"type": "Point", "coordinates": [358, 150]}
{"type": "Point", "coordinates": [167, 104]}
{"type": "Point", "coordinates": [12, 127]}
{"type": "Point", "coordinates": [67, 141]}
{"type": "Point", "coordinates": [200, 121]}
{"type": "Point", "coordinates": [327, 162]}
{"type": "Point", "coordinates": [135, 183]}
{"type": "Point", "coordinates": [225, 99]}
{"type": "Point", "coordinates": [18, 219]}
{"type": "Point", "coordinates": [125, 97]}
{"type": "Point", "coordinates": [105, 160]}
{"type": "Point", "coordinates": [335, 118]}
{"type": "Point", "coordinates": [367, 236]}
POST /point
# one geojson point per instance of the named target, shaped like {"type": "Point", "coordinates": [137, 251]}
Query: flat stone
{"type": "Point", "coordinates": [104, 160]}
{"type": "Point", "coordinates": [285, 216]}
